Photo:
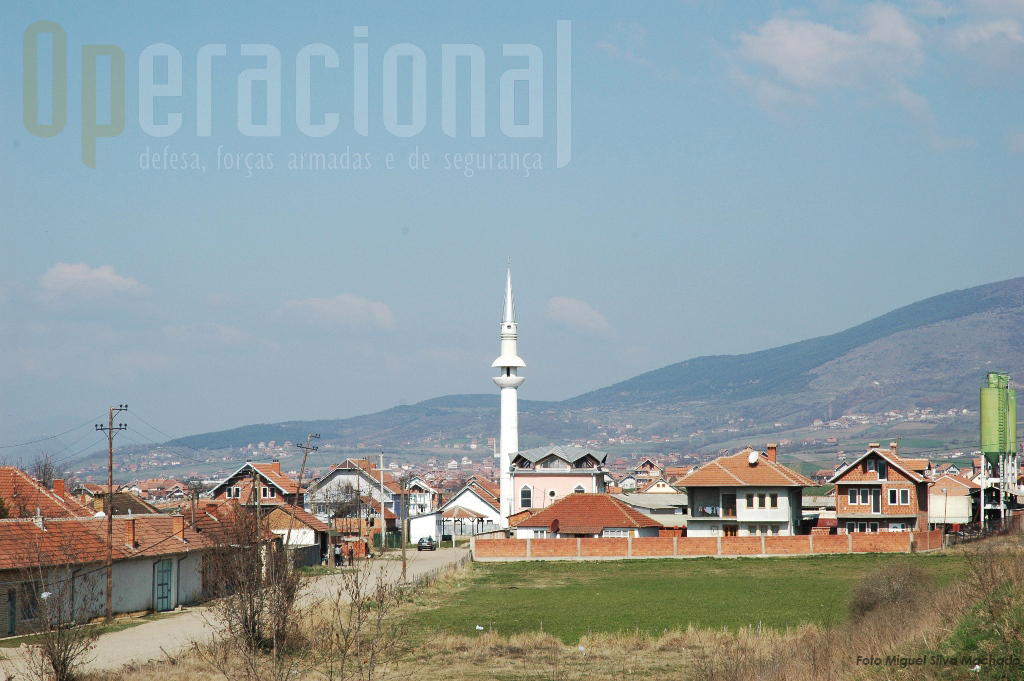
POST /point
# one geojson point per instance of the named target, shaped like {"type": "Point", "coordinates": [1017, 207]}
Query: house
{"type": "Point", "coordinates": [647, 470]}
{"type": "Point", "coordinates": [158, 565]}
{"type": "Point", "coordinates": [746, 494]}
{"type": "Point", "coordinates": [948, 468]}
{"type": "Point", "coordinates": [952, 501]}
{"type": "Point", "coordinates": [542, 475]}
{"type": "Point", "coordinates": [821, 476]}
{"type": "Point", "coordinates": [297, 527]}
{"type": "Point", "coordinates": [125, 503]}
{"type": "Point", "coordinates": [658, 486]}
{"type": "Point", "coordinates": [588, 515]}
{"type": "Point", "coordinates": [336, 491]}
{"type": "Point", "coordinates": [422, 497]}
{"type": "Point", "coordinates": [880, 492]}
{"type": "Point", "coordinates": [257, 484]}
{"type": "Point", "coordinates": [23, 497]}
{"type": "Point", "coordinates": [472, 510]}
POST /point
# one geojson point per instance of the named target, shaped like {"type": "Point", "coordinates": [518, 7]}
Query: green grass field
{"type": "Point", "coordinates": [570, 599]}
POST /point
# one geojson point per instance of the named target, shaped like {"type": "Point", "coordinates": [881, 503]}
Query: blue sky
{"type": "Point", "coordinates": [743, 175]}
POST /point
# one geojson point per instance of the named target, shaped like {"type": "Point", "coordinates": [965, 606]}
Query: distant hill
{"type": "Point", "coordinates": [932, 353]}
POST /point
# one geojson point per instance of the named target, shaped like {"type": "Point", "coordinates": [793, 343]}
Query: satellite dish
{"type": "Point", "coordinates": [511, 468]}
{"type": "Point", "coordinates": [752, 458]}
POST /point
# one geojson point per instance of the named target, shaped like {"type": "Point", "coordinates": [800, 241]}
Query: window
{"type": "Point", "coordinates": [264, 492]}
{"type": "Point", "coordinates": [871, 465]}
{"type": "Point", "coordinates": [775, 530]}
{"type": "Point", "coordinates": [865, 495]}
{"type": "Point", "coordinates": [752, 530]}
{"type": "Point", "coordinates": [273, 492]}
{"type": "Point", "coordinates": [873, 527]}
{"type": "Point", "coordinates": [862, 527]}
{"type": "Point", "coordinates": [730, 530]}
{"type": "Point", "coordinates": [882, 470]}
{"type": "Point", "coordinates": [904, 497]}
{"type": "Point", "coordinates": [774, 500]}
{"type": "Point", "coordinates": [760, 500]}
{"type": "Point", "coordinates": [579, 489]}
{"type": "Point", "coordinates": [615, 533]}
{"type": "Point", "coordinates": [851, 527]}
{"type": "Point", "coordinates": [892, 497]}
{"type": "Point", "coordinates": [540, 534]}
{"type": "Point", "coordinates": [897, 527]}
{"type": "Point", "coordinates": [238, 492]}
{"type": "Point", "coordinates": [853, 496]}
{"type": "Point", "coordinates": [750, 501]}
{"type": "Point", "coordinates": [551, 493]}
{"type": "Point", "coordinates": [525, 497]}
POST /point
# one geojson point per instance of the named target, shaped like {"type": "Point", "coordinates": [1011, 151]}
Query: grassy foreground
{"type": "Point", "coordinates": [570, 600]}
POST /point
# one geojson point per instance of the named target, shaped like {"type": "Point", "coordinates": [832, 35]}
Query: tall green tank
{"type": "Point", "coordinates": [998, 417]}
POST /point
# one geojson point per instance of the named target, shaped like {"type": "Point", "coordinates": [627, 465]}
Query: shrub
{"type": "Point", "coordinates": [895, 587]}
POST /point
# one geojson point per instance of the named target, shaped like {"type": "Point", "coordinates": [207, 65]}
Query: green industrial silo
{"type": "Point", "coordinates": [998, 417]}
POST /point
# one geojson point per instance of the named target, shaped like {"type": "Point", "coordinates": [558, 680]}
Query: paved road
{"type": "Point", "coordinates": [175, 633]}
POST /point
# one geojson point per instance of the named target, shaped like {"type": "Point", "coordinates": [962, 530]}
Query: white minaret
{"type": "Point", "coordinates": [508, 364]}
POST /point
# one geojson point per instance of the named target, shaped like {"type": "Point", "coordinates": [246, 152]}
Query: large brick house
{"type": "Point", "coordinates": [881, 492]}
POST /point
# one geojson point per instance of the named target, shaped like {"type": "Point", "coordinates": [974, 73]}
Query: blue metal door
{"type": "Point", "coordinates": [12, 611]}
{"type": "Point", "coordinates": [163, 585]}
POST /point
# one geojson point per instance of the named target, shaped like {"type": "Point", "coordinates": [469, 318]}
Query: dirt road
{"type": "Point", "coordinates": [172, 634]}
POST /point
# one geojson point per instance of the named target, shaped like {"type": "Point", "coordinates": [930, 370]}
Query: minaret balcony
{"type": "Point", "coordinates": [509, 381]}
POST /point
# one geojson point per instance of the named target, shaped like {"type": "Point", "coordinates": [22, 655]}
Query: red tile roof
{"type": "Point", "coordinates": [736, 471]}
{"type": "Point", "coordinates": [300, 515]}
{"type": "Point", "coordinates": [24, 496]}
{"type": "Point", "coordinates": [588, 514]}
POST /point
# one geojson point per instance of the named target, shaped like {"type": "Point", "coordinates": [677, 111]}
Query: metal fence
{"type": "Point", "coordinates": [428, 578]}
{"type": "Point", "coordinates": [993, 528]}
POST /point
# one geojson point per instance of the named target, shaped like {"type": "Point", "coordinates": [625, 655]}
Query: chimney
{"type": "Point", "coordinates": [893, 447]}
{"type": "Point", "coordinates": [179, 526]}
{"type": "Point", "coordinates": [770, 452]}
{"type": "Point", "coordinates": [873, 445]}
{"type": "Point", "coordinates": [129, 532]}
{"type": "Point", "coordinates": [276, 466]}
{"type": "Point", "coordinates": [58, 487]}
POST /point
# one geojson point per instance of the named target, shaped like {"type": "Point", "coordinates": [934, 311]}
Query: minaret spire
{"type": "Point", "coordinates": [508, 365]}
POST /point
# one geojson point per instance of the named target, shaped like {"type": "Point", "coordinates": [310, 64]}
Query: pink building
{"type": "Point", "coordinates": [543, 475]}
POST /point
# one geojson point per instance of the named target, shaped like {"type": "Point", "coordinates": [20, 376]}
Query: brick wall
{"type": "Point", "coordinates": [741, 546]}
{"type": "Point", "coordinates": [833, 543]}
{"type": "Point", "coordinates": [880, 542]}
{"type": "Point", "coordinates": [605, 548]}
{"type": "Point", "coordinates": [787, 545]}
{"type": "Point", "coordinates": [553, 548]}
{"type": "Point", "coordinates": [928, 541]}
{"type": "Point", "coordinates": [653, 546]}
{"type": "Point", "coordinates": [501, 548]}
{"type": "Point", "coordinates": [697, 546]}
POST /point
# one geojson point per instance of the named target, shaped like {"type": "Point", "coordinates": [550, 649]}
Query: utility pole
{"type": "Point", "coordinates": [404, 513]}
{"type": "Point", "coordinates": [306, 449]}
{"type": "Point", "coordinates": [110, 429]}
{"type": "Point", "coordinates": [383, 525]}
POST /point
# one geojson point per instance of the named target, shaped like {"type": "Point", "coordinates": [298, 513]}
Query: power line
{"type": "Point", "coordinates": [50, 437]}
{"type": "Point", "coordinates": [169, 438]}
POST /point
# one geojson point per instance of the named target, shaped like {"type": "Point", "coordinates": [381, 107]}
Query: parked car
{"type": "Point", "coordinates": [426, 544]}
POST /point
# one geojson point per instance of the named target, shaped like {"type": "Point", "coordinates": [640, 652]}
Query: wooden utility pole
{"type": "Point", "coordinates": [110, 430]}
{"type": "Point", "coordinates": [302, 471]}
{"type": "Point", "coordinates": [383, 524]}
{"type": "Point", "coordinates": [404, 513]}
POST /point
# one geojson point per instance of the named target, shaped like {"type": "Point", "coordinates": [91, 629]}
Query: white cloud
{"type": "Point", "coordinates": [627, 43]}
{"type": "Point", "coordinates": [971, 35]}
{"type": "Point", "coordinates": [345, 310]}
{"type": "Point", "coordinates": [81, 280]}
{"type": "Point", "coordinates": [813, 56]}
{"type": "Point", "coordinates": [576, 315]}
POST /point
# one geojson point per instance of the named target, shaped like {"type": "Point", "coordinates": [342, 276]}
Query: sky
{"type": "Point", "coordinates": [734, 176]}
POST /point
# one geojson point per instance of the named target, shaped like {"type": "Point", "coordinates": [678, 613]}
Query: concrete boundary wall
{"type": "Point", "coordinates": [503, 550]}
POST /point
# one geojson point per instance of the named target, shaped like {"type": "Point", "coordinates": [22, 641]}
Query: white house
{"type": "Point", "coordinates": [745, 494]}
{"type": "Point", "coordinates": [472, 510]}
{"type": "Point", "coordinates": [348, 480]}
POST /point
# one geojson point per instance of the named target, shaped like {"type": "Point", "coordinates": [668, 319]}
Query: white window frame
{"type": "Point", "coordinates": [853, 496]}
{"type": "Point", "coordinates": [871, 466]}
{"type": "Point", "coordinates": [862, 526]}
{"type": "Point", "coordinates": [775, 530]}
{"type": "Point", "coordinates": [526, 488]}
{"type": "Point", "coordinates": [610, 532]}
{"type": "Point", "coordinates": [773, 500]}
{"type": "Point", "coordinates": [873, 527]}
{"type": "Point", "coordinates": [264, 491]}
{"type": "Point", "coordinates": [238, 492]}
{"type": "Point", "coordinates": [273, 492]}
{"type": "Point", "coordinates": [851, 527]}
{"type": "Point", "coordinates": [904, 493]}
{"type": "Point", "coordinates": [578, 489]}
{"type": "Point", "coordinates": [894, 497]}
{"type": "Point", "coordinates": [865, 496]}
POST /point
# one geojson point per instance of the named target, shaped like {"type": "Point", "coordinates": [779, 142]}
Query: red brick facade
{"type": "Point", "coordinates": [899, 481]}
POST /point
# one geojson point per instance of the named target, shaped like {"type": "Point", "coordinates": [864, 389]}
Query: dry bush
{"type": "Point", "coordinates": [894, 586]}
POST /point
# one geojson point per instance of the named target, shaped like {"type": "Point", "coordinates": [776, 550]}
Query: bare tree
{"type": "Point", "coordinates": [358, 633]}
{"type": "Point", "coordinates": [58, 595]}
{"type": "Point", "coordinates": [44, 469]}
{"type": "Point", "coordinates": [257, 591]}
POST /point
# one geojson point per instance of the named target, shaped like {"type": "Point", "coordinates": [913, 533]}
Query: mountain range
{"type": "Point", "coordinates": [933, 353]}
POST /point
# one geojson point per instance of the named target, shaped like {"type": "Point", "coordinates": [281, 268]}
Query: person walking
{"type": "Point", "coordinates": [337, 555]}
{"type": "Point", "coordinates": [351, 555]}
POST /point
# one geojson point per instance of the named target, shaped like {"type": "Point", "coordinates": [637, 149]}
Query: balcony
{"type": "Point", "coordinates": [708, 512]}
